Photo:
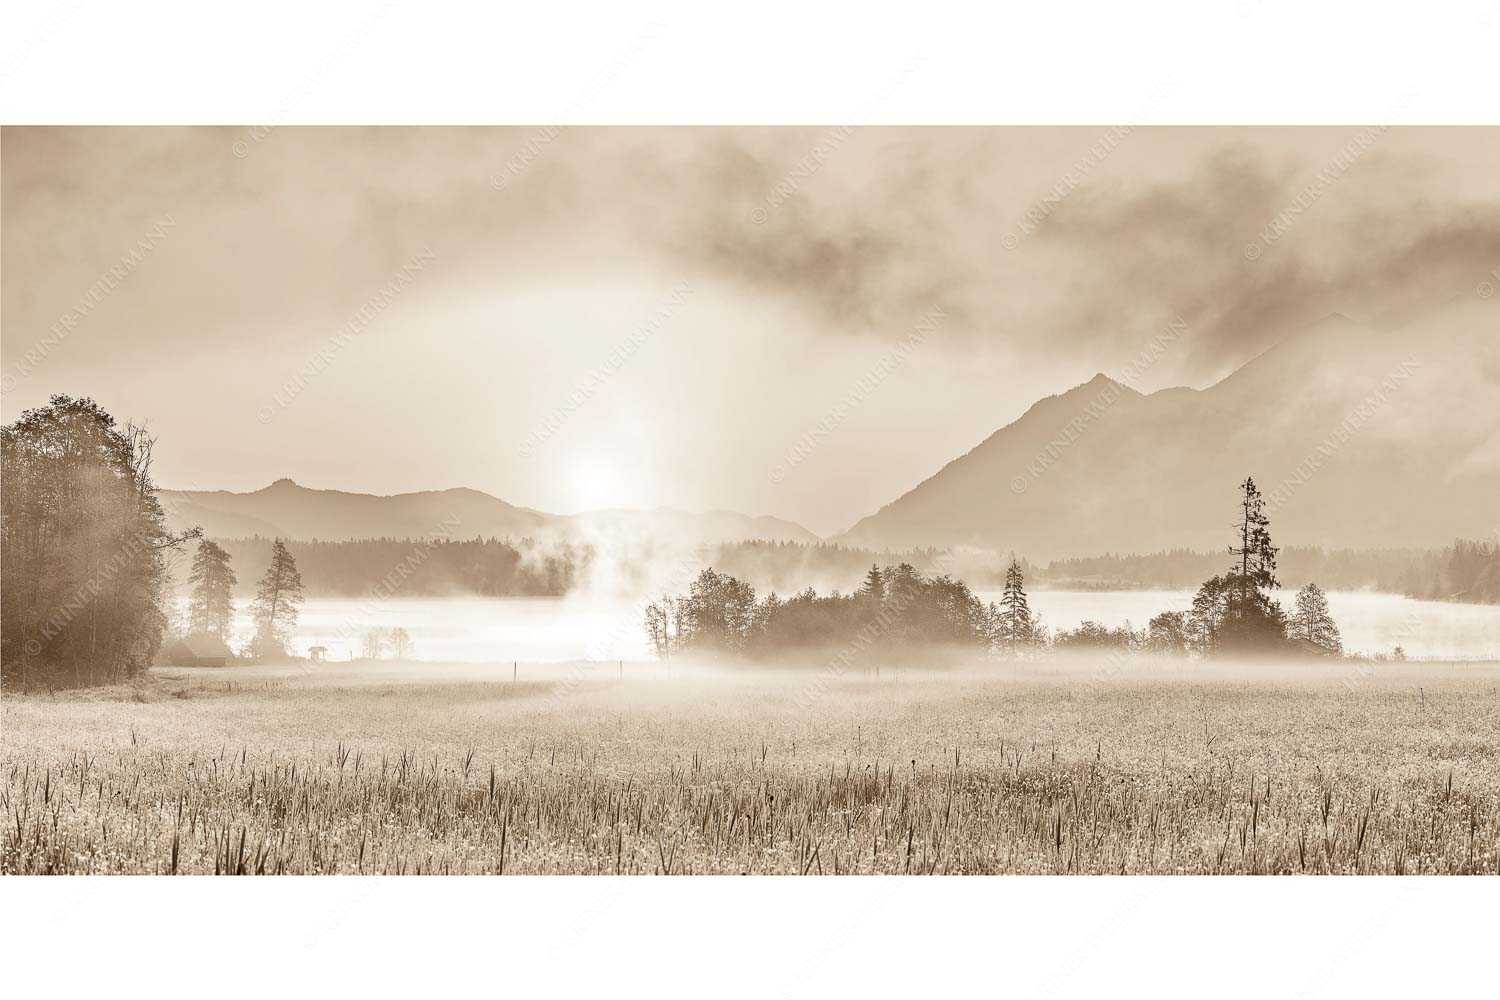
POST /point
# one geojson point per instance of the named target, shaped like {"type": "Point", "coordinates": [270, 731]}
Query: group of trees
{"type": "Point", "coordinates": [895, 607]}
{"type": "Point", "coordinates": [1232, 613]}
{"type": "Point", "coordinates": [1236, 613]}
{"type": "Point", "coordinates": [275, 609]}
{"type": "Point", "coordinates": [83, 597]}
{"type": "Point", "coordinates": [273, 612]}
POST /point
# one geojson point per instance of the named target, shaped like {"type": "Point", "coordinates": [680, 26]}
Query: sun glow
{"type": "Point", "coordinates": [593, 484]}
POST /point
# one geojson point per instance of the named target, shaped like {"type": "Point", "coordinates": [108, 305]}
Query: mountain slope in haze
{"type": "Point", "coordinates": [1359, 437]}
{"type": "Point", "coordinates": [286, 510]}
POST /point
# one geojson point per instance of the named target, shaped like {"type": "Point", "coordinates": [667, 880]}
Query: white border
{"type": "Point", "coordinates": [750, 937]}
{"type": "Point", "coordinates": [679, 62]}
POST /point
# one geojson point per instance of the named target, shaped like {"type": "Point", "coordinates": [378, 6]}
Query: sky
{"type": "Point", "coordinates": [801, 322]}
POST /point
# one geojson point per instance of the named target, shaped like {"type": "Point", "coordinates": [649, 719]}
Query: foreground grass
{"type": "Point", "coordinates": [379, 769]}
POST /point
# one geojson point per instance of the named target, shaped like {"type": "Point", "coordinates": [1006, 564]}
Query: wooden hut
{"type": "Point", "coordinates": [201, 649]}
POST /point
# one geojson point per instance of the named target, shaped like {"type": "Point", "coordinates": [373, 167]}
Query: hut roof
{"type": "Point", "coordinates": [203, 645]}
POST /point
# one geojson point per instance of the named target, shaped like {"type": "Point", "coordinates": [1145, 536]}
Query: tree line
{"type": "Point", "coordinates": [898, 608]}
{"type": "Point", "coordinates": [1465, 571]}
{"type": "Point", "coordinates": [439, 567]}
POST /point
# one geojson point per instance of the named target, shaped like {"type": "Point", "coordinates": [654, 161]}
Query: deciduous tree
{"type": "Point", "coordinates": [83, 596]}
{"type": "Point", "coordinates": [1311, 621]}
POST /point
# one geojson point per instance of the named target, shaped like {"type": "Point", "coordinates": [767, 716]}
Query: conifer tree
{"type": "Point", "coordinates": [1234, 612]}
{"type": "Point", "coordinates": [211, 607]}
{"type": "Point", "coordinates": [276, 603]}
{"type": "Point", "coordinates": [1257, 556]}
{"type": "Point", "coordinates": [1017, 627]}
{"type": "Point", "coordinates": [871, 594]}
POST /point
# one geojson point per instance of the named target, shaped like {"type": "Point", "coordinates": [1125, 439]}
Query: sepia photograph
{"type": "Point", "coordinates": [705, 498]}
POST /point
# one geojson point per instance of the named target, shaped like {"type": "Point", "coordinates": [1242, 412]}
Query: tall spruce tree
{"type": "Point", "coordinates": [1235, 612]}
{"type": "Point", "coordinates": [1256, 554]}
{"type": "Point", "coordinates": [1017, 627]}
{"type": "Point", "coordinates": [276, 604]}
{"type": "Point", "coordinates": [211, 607]}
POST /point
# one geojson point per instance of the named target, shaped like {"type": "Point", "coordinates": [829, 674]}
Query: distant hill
{"type": "Point", "coordinates": [1362, 438]}
{"type": "Point", "coordinates": [287, 510]}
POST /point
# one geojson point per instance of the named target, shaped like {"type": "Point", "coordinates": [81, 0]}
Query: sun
{"type": "Point", "coordinates": [593, 484]}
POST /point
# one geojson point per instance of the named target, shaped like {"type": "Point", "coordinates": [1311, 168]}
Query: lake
{"type": "Point", "coordinates": [479, 629]}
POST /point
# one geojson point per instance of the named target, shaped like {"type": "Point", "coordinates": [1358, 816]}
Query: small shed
{"type": "Point", "coordinates": [318, 654]}
{"type": "Point", "coordinates": [201, 649]}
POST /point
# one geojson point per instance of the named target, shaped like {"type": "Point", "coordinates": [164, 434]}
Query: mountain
{"type": "Point", "coordinates": [1359, 436]}
{"type": "Point", "coordinates": [286, 510]}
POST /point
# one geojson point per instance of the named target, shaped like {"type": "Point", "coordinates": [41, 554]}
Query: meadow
{"type": "Point", "coordinates": [1037, 768]}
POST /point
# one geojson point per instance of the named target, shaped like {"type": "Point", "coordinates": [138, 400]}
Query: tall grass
{"type": "Point", "coordinates": [939, 777]}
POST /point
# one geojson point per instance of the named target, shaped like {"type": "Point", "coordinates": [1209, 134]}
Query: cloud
{"type": "Point", "coordinates": [1248, 251]}
{"type": "Point", "coordinates": [848, 231]}
{"type": "Point", "coordinates": [1246, 245]}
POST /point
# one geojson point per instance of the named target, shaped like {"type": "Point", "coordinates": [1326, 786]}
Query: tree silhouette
{"type": "Point", "coordinates": [1234, 612]}
{"type": "Point", "coordinates": [1257, 556]}
{"type": "Point", "coordinates": [211, 607]}
{"type": "Point", "coordinates": [1169, 633]}
{"type": "Point", "coordinates": [276, 603]}
{"type": "Point", "coordinates": [1016, 627]}
{"type": "Point", "coordinates": [872, 591]}
{"type": "Point", "coordinates": [717, 613]}
{"type": "Point", "coordinates": [1311, 621]}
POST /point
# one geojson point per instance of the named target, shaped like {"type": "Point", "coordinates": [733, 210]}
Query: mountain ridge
{"type": "Point", "coordinates": [1321, 419]}
{"type": "Point", "coordinates": [287, 509]}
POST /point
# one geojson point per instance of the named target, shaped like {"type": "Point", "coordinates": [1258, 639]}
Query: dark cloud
{"type": "Point", "coordinates": [1245, 245]}
{"type": "Point", "coordinates": [1244, 260]}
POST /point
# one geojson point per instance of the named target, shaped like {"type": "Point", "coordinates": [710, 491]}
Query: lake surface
{"type": "Point", "coordinates": [473, 629]}
{"type": "Point", "coordinates": [551, 629]}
